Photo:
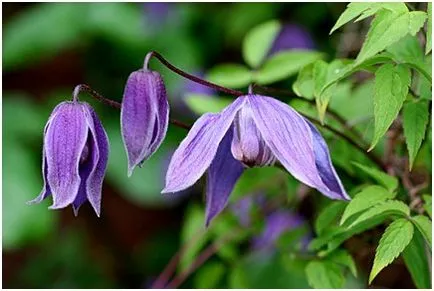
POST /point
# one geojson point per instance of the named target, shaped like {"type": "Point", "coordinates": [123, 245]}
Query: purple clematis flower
{"type": "Point", "coordinates": [253, 131]}
{"type": "Point", "coordinates": [144, 116]}
{"type": "Point", "coordinates": [75, 155]}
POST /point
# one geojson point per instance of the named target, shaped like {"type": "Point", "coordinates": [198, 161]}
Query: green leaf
{"type": "Point", "coordinates": [390, 207]}
{"type": "Point", "coordinates": [285, 64]}
{"type": "Point", "coordinates": [428, 204]}
{"type": "Point", "coordinates": [230, 75]}
{"type": "Point", "coordinates": [328, 216]}
{"type": "Point", "coordinates": [322, 74]}
{"type": "Point", "coordinates": [391, 89]}
{"type": "Point", "coordinates": [390, 182]}
{"type": "Point", "coordinates": [429, 29]}
{"type": "Point", "coordinates": [387, 28]}
{"type": "Point", "coordinates": [415, 258]}
{"type": "Point", "coordinates": [365, 9]}
{"type": "Point", "coordinates": [304, 85]}
{"type": "Point", "coordinates": [393, 241]}
{"type": "Point", "coordinates": [201, 104]}
{"type": "Point", "coordinates": [209, 275]}
{"type": "Point", "coordinates": [365, 199]}
{"type": "Point", "coordinates": [424, 225]}
{"type": "Point", "coordinates": [408, 51]}
{"type": "Point", "coordinates": [415, 121]}
{"type": "Point", "coordinates": [344, 258]}
{"type": "Point", "coordinates": [324, 275]}
{"type": "Point", "coordinates": [259, 41]}
{"type": "Point", "coordinates": [193, 233]}
{"type": "Point", "coordinates": [333, 239]}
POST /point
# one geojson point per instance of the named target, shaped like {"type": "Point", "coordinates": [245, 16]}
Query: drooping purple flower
{"type": "Point", "coordinates": [253, 131]}
{"type": "Point", "coordinates": [74, 157]}
{"type": "Point", "coordinates": [292, 36]}
{"type": "Point", "coordinates": [144, 116]}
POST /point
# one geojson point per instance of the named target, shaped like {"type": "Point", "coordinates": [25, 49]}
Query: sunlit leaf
{"type": "Point", "coordinates": [258, 42]}
{"type": "Point", "coordinates": [284, 64]}
{"type": "Point", "coordinates": [367, 198]}
{"type": "Point", "coordinates": [387, 28]}
{"type": "Point", "coordinates": [230, 75]}
{"type": "Point", "coordinates": [393, 241]}
{"type": "Point", "coordinates": [391, 89]}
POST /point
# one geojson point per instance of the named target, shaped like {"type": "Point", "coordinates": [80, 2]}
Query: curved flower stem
{"type": "Point", "coordinates": [188, 76]}
{"type": "Point", "coordinates": [115, 104]}
{"type": "Point", "coordinates": [112, 103]}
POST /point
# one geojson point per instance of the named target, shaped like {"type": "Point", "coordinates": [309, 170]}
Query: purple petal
{"type": "Point", "coordinates": [223, 173]}
{"type": "Point", "coordinates": [325, 167]}
{"type": "Point", "coordinates": [64, 143]}
{"type": "Point", "coordinates": [290, 139]}
{"type": "Point", "coordinates": [196, 152]}
{"type": "Point", "coordinates": [100, 159]}
{"type": "Point", "coordinates": [144, 116]}
{"type": "Point", "coordinates": [46, 191]}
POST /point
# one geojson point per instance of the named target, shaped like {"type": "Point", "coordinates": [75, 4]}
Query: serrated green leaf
{"type": "Point", "coordinates": [333, 239]}
{"type": "Point", "coordinates": [328, 216]}
{"type": "Point", "coordinates": [415, 259]}
{"type": "Point", "coordinates": [343, 257]}
{"type": "Point", "coordinates": [209, 275]}
{"type": "Point", "coordinates": [387, 28]}
{"type": "Point", "coordinates": [428, 204]}
{"type": "Point", "coordinates": [365, 199]}
{"type": "Point", "coordinates": [230, 75]}
{"type": "Point", "coordinates": [201, 104]}
{"type": "Point", "coordinates": [390, 182]}
{"type": "Point", "coordinates": [324, 275]}
{"type": "Point", "coordinates": [364, 9]}
{"type": "Point", "coordinates": [393, 241]}
{"type": "Point", "coordinates": [193, 232]}
{"type": "Point", "coordinates": [391, 89]}
{"type": "Point", "coordinates": [415, 121]}
{"type": "Point", "coordinates": [429, 29]}
{"type": "Point", "coordinates": [424, 225]}
{"type": "Point", "coordinates": [390, 207]}
{"type": "Point", "coordinates": [259, 41]}
{"type": "Point", "coordinates": [284, 64]}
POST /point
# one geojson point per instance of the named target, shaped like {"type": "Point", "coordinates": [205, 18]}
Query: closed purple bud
{"type": "Point", "coordinates": [75, 155]}
{"type": "Point", "coordinates": [144, 116]}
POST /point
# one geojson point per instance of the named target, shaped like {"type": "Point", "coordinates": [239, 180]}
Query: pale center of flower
{"type": "Point", "coordinates": [248, 145]}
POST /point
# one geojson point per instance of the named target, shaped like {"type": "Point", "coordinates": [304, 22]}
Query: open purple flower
{"type": "Point", "coordinates": [253, 131]}
{"type": "Point", "coordinates": [74, 157]}
{"type": "Point", "coordinates": [144, 116]}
